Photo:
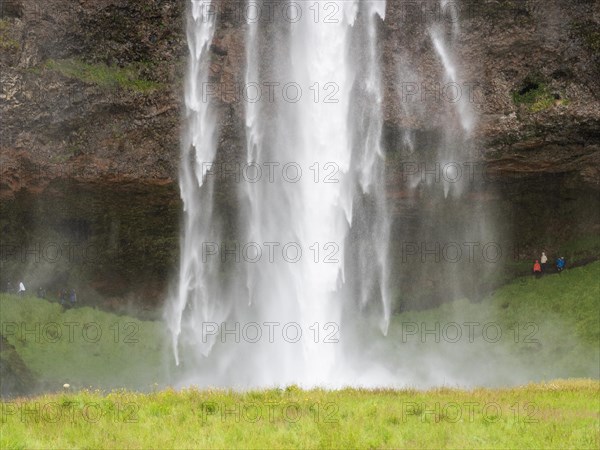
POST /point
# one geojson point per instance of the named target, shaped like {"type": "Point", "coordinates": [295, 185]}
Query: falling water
{"type": "Point", "coordinates": [294, 289]}
{"type": "Point", "coordinates": [194, 302]}
{"type": "Point", "coordinates": [446, 205]}
{"type": "Point", "coordinates": [306, 214]}
{"type": "Point", "coordinates": [453, 149]}
{"type": "Point", "coordinates": [455, 155]}
{"type": "Point", "coordinates": [325, 201]}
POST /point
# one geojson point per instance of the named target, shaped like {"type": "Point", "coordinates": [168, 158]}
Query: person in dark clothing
{"type": "Point", "coordinates": [560, 264]}
{"type": "Point", "coordinates": [537, 269]}
{"type": "Point", "coordinates": [63, 297]}
{"type": "Point", "coordinates": [73, 297]}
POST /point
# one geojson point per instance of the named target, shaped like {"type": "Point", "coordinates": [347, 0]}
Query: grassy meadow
{"type": "Point", "coordinates": [539, 357]}
{"type": "Point", "coordinates": [83, 346]}
{"type": "Point", "coordinates": [560, 414]}
{"type": "Point", "coordinates": [529, 330]}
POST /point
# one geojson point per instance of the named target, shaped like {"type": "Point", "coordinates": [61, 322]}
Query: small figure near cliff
{"type": "Point", "coordinates": [21, 289]}
{"type": "Point", "coordinates": [41, 292]}
{"type": "Point", "coordinates": [63, 297]}
{"type": "Point", "coordinates": [73, 297]}
{"type": "Point", "coordinates": [560, 264]}
{"type": "Point", "coordinates": [544, 261]}
{"type": "Point", "coordinates": [9, 288]}
{"type": "Point", "coordinates": [537, 269]}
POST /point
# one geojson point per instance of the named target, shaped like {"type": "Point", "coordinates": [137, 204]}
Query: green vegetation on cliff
{"type": "Point", "coordinates": [588, 32]}
{"type": "Point", "coordinates": [6, 41]}
{"type": "Point", "coordinates": [103, 75]}
{"type": "Point", "coordinates": [536, 95]}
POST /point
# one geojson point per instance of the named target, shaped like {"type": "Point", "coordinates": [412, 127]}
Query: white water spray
{"type": "Point", "coordinates": [304, 298]}
{"type": "Point", "coordinates": [194, 302]}
{"type": "Point", "coordinates": [320, 320]}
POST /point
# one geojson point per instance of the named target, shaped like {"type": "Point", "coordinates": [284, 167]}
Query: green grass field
{"type": "Point", "coordinates": [550, 329]}
{"type": "Point", "coordinates": [537, 329]}
{"type": "Point", "coordinates": [83, 346]}
{"type": "Point", "coordinates": [561, 414]}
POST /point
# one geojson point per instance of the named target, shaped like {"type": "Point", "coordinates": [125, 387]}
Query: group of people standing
{"type": "Point", "coordinates": [67, 297]}
{"type": "Point", "coordinates": [540, 266]}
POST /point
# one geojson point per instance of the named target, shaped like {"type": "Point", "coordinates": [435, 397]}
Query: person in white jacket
{"type": "Point", "coordinates": [21, 289]}
{"type": "Point", "coordinates": [544, 262]}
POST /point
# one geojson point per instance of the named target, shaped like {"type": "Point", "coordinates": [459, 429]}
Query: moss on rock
{"type": "Point", "coordinates": [103, 75]}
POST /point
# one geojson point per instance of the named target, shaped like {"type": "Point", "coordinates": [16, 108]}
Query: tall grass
{"type": "Point", "coordinates": [561, 414]}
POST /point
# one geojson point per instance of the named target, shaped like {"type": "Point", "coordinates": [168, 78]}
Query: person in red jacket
{"type": "Point", "coordinates": [537, 269]}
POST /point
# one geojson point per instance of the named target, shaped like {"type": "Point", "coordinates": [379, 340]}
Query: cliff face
{"type": "Point", "coordinates": [91, 117]}
{"type": "Point", "coordinates": [94, 88]}
{"type": "Point", "coordinates": [532, 69]}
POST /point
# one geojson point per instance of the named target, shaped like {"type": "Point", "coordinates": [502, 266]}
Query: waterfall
{"type": "Point", "coordinates": [313, 223]}
{"type": "Point", "coordinates": [369, 161]}
{"type": "Point", "coordinates": [196, 300]}
{"type": "Point", "coordinates": [298, 209]}
{"type": "Point", "coordinates": [448, 224]}
{"type": "Point", "coordinates": [454, 144]}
